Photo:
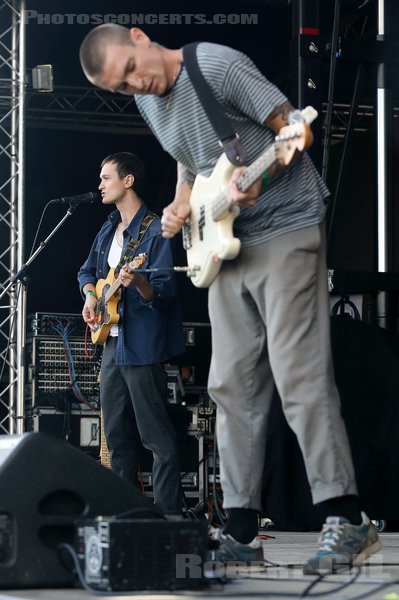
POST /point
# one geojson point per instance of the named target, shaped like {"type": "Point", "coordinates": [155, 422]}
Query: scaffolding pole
{"type": "Point", "coordinates": [12, 105]}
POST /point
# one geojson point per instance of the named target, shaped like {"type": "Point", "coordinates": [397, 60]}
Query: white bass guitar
{"type": "Point", "coordinates": [208, 233]}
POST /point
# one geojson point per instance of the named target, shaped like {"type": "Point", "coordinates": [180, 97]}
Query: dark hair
{"type": "Point", "coordinates": [127, 163]}
{"type": "Point", "coordinates": [92, 49]}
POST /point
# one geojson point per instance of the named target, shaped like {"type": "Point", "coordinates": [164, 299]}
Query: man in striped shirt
{"type": "Point", "coordinates": [269, 306]}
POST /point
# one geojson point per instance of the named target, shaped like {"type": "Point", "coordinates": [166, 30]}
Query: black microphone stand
{"type": "Point", "coordinates": [21, 276]}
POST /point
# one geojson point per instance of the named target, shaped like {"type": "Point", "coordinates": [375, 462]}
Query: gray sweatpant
{"type": "Point", "coordinates": [270, 324]}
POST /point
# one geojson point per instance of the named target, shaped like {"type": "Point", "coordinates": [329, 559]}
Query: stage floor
{"type": "Point", "coordinates": [377, 579]}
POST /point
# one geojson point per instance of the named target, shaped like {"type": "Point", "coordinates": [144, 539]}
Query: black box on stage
{"type": "Point", "coordinates": [46, 487]}
{"type": "Point", "coordinates": [81, 428]}
{"type": "Point", "coordinates": [141, 554]}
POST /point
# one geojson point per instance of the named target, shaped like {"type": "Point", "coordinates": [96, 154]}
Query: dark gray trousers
{"type": "Point", "coordinates": [133, 400]}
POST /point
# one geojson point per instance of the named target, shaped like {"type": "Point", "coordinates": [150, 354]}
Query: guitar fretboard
{"type": "Point", "coordinates": [254, 171]}
{"type": "Point", "coordinates": [220, 204]}
{"type": "Point", "coordinates": [112, 289]}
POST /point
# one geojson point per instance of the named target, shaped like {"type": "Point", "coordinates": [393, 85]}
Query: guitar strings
{"type": "Point", "coordinates": [220, 203]}
{"type": "Point", "coordinates": [220, 200]}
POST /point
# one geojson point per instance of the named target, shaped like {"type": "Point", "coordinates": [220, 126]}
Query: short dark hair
{"type": "Point", "coordinates": [127, 163]}
{"type": "Point", "coordinates": [92, 49]}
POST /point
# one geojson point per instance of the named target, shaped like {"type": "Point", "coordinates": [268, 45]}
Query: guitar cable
{"type": "Point", "coordinates": [86, 344]}
{"type": "Point", "coordinates": [64, 332]}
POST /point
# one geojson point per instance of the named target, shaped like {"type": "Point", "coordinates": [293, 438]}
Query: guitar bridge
{"type": "Point", "coordinates": [187, 233]}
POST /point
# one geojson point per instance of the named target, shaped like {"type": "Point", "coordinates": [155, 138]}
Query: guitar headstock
{"type": "Point", "coordinates": [137, 262]}
{"type": "Point", "coordinates": [296, 136]}
{"type": "Point", "coordinates": [306, 115]}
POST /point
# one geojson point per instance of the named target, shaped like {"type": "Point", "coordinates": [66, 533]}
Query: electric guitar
{"type": "Point", "coordinates": [208, 232]}
{"type": "Point", "coordinates": [108, 292]}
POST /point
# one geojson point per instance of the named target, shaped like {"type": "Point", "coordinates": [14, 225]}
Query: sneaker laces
{"type": "Point", "coordinates": [330, 535]}
{"type": "Point", "coordinates": [214, 533]}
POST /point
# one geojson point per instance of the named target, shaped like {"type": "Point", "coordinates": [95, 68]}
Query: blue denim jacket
{"type": "Point", "coordinates": [149, 331]}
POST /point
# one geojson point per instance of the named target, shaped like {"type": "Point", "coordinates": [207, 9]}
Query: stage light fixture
{"type": "Point", "coordinates": [42, 78]}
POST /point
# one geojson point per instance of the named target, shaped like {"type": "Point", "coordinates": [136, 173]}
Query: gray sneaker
{"type": "Point", "coordinates": [342, 545]}
{"type": "Point", "coordinates": [231, 551]}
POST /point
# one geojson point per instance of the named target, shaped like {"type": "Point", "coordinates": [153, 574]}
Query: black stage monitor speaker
{"type": "Point", "coordinates": [45, 486]}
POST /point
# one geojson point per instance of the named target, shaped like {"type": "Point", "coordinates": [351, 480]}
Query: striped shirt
{"type": "Point", "coordinates": [296, 199]}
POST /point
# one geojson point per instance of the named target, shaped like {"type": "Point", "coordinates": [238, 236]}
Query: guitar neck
{"type": "Point", "coordinates": [295, 133]}
{"type": "Point", "coordinates": [254, 171]}
{"type": "Point", "coordinates": [132, 266]}
{"type": "Point", "coordinates": [112, 289]}
{"type": "Point", "coordinates": [221, 204]}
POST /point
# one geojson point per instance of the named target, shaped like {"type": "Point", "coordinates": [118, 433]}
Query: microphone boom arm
{"type": "Point", "coordinates": [21, 273]}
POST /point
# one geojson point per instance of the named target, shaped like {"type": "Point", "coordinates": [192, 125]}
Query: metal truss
{"type": "Point", "coordinates": [88, 109]}
{"type": "Point", "coordinates": [364, 118]}
{"type": "Point", "coordinates": [12, 76]}
{"type": "Point", "coordinates": [85, 109]}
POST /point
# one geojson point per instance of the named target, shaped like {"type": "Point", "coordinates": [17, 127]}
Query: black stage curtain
{"type": "Point", "coordinates": [366, 362]}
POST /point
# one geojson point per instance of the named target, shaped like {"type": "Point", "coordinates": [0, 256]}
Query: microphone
{"type": "Point", "coordinates": [76, 200]}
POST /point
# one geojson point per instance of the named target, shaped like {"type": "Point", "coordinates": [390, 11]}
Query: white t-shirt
{"type": "Point", "coordinates": [114, 257]}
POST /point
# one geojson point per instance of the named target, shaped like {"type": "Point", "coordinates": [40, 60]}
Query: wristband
{"type": "Point", "coordinates": [91, 293]}
{"type": "Point", "coordinates": [265, 179]}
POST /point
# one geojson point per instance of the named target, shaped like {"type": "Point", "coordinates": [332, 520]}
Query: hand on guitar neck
{"type": "Point", "coordinates": [128, 276]}
{"type": "Point", "coordinates": [245, 197]}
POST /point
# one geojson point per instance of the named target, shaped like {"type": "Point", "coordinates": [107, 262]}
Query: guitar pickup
{"type": "Point", "coordinates": [201, 223]}
{"type": "Point", "coordinates": [187, 232]}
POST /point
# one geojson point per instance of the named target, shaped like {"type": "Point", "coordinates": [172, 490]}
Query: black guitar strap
{"type": "Point", "coordinates": [133, 244]}
{"type": "Point", "coordinates": [228, 138]}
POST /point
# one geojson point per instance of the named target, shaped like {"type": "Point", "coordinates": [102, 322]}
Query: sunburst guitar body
{"type": "Point", "coordinates": [109, 293]}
